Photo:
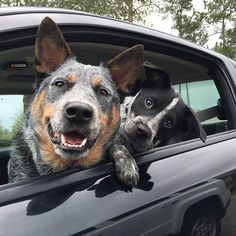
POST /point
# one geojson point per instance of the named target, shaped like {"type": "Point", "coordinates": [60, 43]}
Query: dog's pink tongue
{"type": "Point", "coordinates": [74, 138]}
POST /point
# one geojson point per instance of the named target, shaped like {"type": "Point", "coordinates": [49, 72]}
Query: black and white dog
{"type": "Point", "coordinates": [156, 116]}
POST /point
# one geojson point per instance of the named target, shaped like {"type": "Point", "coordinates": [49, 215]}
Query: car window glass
{"type": "Point", "coordinates": [199, 95]}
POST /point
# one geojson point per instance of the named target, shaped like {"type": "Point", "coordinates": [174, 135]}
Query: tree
{"type": "Point", "coordinates": [129, 10]}
{"type": "Point", "coordinates": [5, 137]}
{"type": "Point", "coordinates": [221, 15]}
{"type": "Point", "coordinates": [17, 123]}
{"type": "Point", "coordinates": [20, 3]}
{"type": "Point", "coordinates": [228, 47]}
{"type": "Point", "coordinates": [187, 21]}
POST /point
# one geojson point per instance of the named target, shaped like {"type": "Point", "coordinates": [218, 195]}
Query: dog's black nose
{"type": "Point", "coordinates": [78, 112]}
{"type": "Point", "coordinates": [142, 131]}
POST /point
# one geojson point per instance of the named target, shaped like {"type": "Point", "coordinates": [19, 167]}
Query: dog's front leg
{"type": "Point", "coordinates": [125, 165]}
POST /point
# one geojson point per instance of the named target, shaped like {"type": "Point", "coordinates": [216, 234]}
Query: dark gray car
{"type": "Point", "coordinates": [184, 188]}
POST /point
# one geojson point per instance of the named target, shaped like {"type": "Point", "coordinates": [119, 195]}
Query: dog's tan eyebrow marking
{"type": "Point", "coordinates": [96, 81]}
{"type": "Point", "coordinates": [71, 78]}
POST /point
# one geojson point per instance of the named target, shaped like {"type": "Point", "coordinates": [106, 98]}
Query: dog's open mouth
{"type": "Point", "coordinates": [72, 140]}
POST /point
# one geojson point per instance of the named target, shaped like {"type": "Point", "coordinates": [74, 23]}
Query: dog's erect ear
{"type": "Point", "coordinates": [155, 77]}
{"type": "Point", "coordinates": [51, 49]}
{"type": "Point", "coordinates": [193, 125]}
{"type": "Point", "coordinates": [125, 68]}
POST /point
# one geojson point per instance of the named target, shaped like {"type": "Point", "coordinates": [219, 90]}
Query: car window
{"type": "Point", "coordinates": [11, 110]}
{"type": "Point", "coordinates": [200, 95]}
{"type": "Point", "coordinates": [198, 91]}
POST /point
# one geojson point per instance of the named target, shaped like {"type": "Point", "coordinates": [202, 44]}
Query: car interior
{"type": "Point", "coordinates": [17, 79]}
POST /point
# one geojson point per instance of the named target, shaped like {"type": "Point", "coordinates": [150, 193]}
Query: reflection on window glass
{"type": "Point", "coordinates": [199, 95]}
{"type": "Point", "coordinates": [11, 116]}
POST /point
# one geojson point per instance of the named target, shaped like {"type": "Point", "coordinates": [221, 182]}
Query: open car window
{"type": "Point", "coordinates": [190, 78]}
{"type": "Point", "coordinates": [195, 86]}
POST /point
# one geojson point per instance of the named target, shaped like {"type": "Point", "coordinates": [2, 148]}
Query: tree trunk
{"type": "Point", "coordinates": [130, 10]}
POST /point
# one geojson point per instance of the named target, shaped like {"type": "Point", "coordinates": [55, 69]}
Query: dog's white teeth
{"type": "Point", "coordinates": [73, 145]}
{"type": "Point", "coordinates": [83, 143]}
{"type": "Point", "coordinates": [65, 144]}
{"type": "Point", "coordinates": [63, 139]}
{"type": "Point", "coordinates": [70, 145]}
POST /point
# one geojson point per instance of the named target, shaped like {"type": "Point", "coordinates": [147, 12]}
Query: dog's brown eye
{"type": "Point", "coordinates": [169, 124]}
{"type": "Point", "coordinates": [148, 103]}
{"type": "Point", "coordinates": [104, 92]}
{"type": "Point", "coordinates": [59, 84]}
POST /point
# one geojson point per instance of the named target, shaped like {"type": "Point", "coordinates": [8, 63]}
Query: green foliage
{"type": "Point", "coordinates": [221, 16]}
{"type": "Point", "coordinates": [228, 48]}
{"type": "Point", "coordinates": [17, 123]}
{"type": "Point", "coordinates": [187, 21]}
{"type": "Point", "coordinates": [129, 10]}
{"type": "Point", "coordinates": [220, 10]}
{"type": "Point", "coordinates": [7, 135]}
{"type": "Point", "coordinates": [20, 3]}
{"type": "Point", "coordinates": [218, 16]}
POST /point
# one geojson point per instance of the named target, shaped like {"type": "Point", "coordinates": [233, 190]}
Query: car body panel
{"type": "Point", "coordinates": [84, 206]}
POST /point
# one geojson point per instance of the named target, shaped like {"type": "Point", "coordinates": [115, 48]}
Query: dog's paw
{"type": "Point", "coordinates": [125, 165]}
{"type": "Point", "coordinates": [127, 171]}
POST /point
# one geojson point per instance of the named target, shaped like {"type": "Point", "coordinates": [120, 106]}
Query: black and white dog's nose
{"type": "Point", "coordinates": [78, 112]}
{"type": "Point", "coordinates": [142, 131]}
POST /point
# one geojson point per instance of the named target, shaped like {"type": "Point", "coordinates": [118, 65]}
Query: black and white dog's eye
{"type": "Point", "coordinates": [59, 83]}
{"type": "Point", "coordinates": [104, 92]}
{"type": "Point", "coordinates": [148, 103]}
{"type": "Point", "coordinates": [126, 108]}
{"type": "Point", "coordinates": [168, 124]}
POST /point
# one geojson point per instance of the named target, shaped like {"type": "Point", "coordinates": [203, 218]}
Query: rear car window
{"type": "Point", "coordinates": [199, 95]}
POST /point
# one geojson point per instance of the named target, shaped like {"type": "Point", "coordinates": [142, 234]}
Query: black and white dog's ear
{"type": "Point", "coordinates": [155, 76]}
{"type": "Point", "coordinates": [193, 125]}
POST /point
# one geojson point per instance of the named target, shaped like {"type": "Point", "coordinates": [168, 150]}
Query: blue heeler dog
{"type": "Point", "coordinates": [75, 112]}
{"type": "Point", "coordinates": [156, 116]}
